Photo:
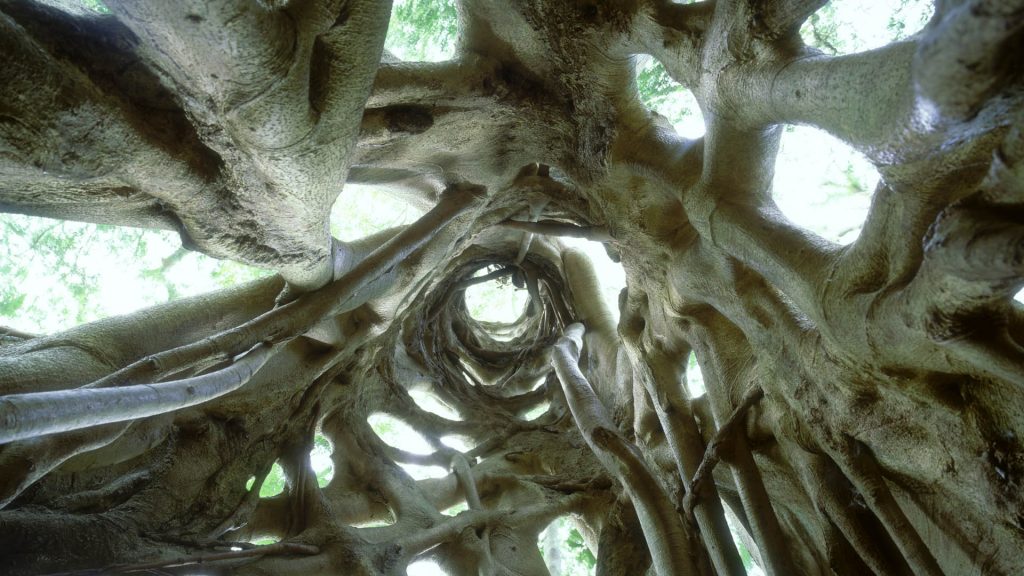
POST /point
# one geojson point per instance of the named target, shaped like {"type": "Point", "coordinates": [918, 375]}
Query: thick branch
{"type": "Point", "coordinates": [280, 95]}
{"type": "Point", "coordinates": [965, 58]}
{"type": "Point", "coordinates": [24, 463]}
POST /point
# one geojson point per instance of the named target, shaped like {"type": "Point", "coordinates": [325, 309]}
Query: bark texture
{"type": "Point", "coordinates": [865, 403]}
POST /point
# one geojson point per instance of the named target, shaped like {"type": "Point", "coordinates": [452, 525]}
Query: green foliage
{"type": "Point", "coordinates": [909, 16]}
{"type": "Point", "coordinates": [579, 549]}
{"type": "Point", "coordinates": [59, 274]}
{"type": "Point", "coordinates": [361, 211]}
{"type": "Point", "coordinates": [50, 281]}
{"type": "Point", "coordinates": [654, 85]}
{"type": "Point", "coordinates": [660, 93]}
{"type": "Point", "coordinates": [228, 273]}
{"type": "Point", "coordinates": [423, 30]}
{"type": "Point", "coordinates": [847, 26]}
{"type": "Point", "coordinates": [320, 460]}
{"type": "Point", "coordinates": [495, 301]}
{"type": "Point", "coordinates": [694, 378]}
{"type": "Point", "coordinates": [745, 557]}
{"type": "Point", "coordinates": [576, 559]}
{"type": "Point", "coordinates": [385, 428]}
{"type": "Point", "coordinates": [321, 441]}
{"type": "Point", "coordinates": [273, 484]}
{"type": "Point", "coordinates": [822, 30]}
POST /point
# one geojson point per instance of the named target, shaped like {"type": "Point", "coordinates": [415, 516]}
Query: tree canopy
{"type": "Point", "coordinates": [813, 367]}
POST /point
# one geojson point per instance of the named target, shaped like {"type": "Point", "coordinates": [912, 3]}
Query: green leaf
{"type": "Point", "coordinates": [422, 30]}
{"type": "Point", "coordinates": [576, 544]}
{"type": "Point", "coordinates": [9, 304]}
{"type": "Point", "coordinates": [274, 482]}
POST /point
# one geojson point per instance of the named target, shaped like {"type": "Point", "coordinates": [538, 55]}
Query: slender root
{"type": "Point", "coordinates": [713, 453]}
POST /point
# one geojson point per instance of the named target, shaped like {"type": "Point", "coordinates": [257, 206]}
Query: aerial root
{"type": "Point", "coordinates": [25, 462]}
{"type": "Point", "coordinates": [714, 450]}
{"type": "Point", "coordinates": [653, 372]}
{"type": "Point", "coordinates": [466, 480]}
{"type": "Point", "coordinates": [279, 548]}
{"type": "Point", "coordinates": [557, 228]}
{"type": "Point", "coordinates": [756, 502]}
{"type": "Point", "coordinates": [863, 471]}
{"type": "Point", "coordinates": [35, 414]}
{"type": "Point", "coordinates": [839, 504]}
{"type": "Point", "coordinates": [245, 507]}
{"type": "Point", "coordinates": [662, 527]}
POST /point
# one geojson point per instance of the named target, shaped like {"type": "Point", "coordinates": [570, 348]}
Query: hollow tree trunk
{"type": "Point", "coordinates": [886, 431]}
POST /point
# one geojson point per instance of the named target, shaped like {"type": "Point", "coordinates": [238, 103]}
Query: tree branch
{"type": "Point", "coordinates": [657, 374]}
{"type": "Point", "coordinates": [961, 61]}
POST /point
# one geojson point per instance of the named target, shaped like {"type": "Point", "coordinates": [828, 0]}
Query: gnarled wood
{"type": "Point", "coordinates": [889, 435]}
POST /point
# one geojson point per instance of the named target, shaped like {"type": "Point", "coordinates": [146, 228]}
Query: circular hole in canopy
{"type": "Point", "coordinates": [497, 301]}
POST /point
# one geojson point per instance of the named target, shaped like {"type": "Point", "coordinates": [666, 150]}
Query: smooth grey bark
{"type": "Point", "coordinates": [31, 415]}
